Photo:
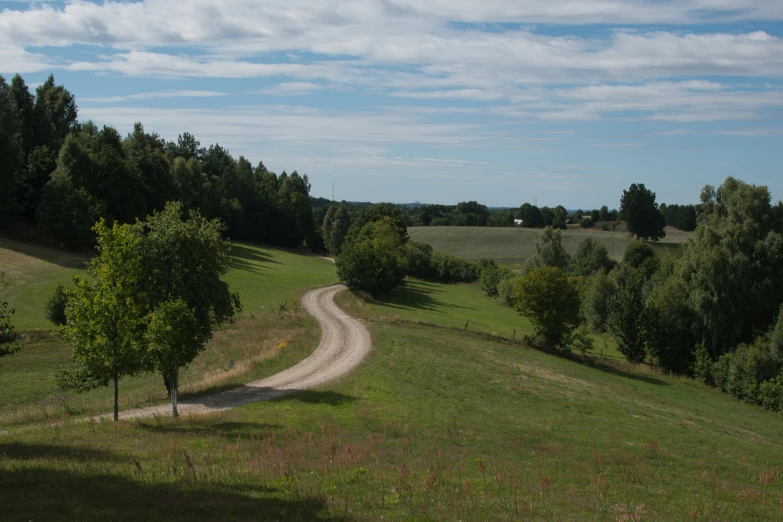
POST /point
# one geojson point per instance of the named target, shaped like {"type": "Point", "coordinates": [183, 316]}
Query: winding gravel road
{"type": "Point", "coordinates": [344, 344]}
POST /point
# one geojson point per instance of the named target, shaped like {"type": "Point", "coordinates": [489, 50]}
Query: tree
{"type": "Point", "coordinates": [530, 215]}
{"type": "Point", "coordinates": [641, 214]}
{"type": "Point", "coordinates": [55, 114]}
{"type": "Point", "coordinates": [340, 228]}
{"type": "Point", "coordinates": [627, 320]}
{"type": "Point", "coordinates": [373, 260]}
{"type": "Point", "coordinates": [550, 301]}
{"type": "Point", "coordinates": [9, 336]}
{"type": "Point", "coordinates": [603, 214]}
{"type": "Point", "coordinates": [596, 293]}
{"type": "Point", "coordinates": [550, 251]}
{"type": "Point", "coordinates": [56, 306]}
{"type": "Point", "coordinates": [106, 311]}
{"type": "Point", "coordinates": [590, 257]}
{"type": "Point", "coordinates": [183, 260]}
{"type": "Point", "coordinates": [173, 341]}
{"type": "Point", "coordinates": [10, 147]}
{"type": "Point", "coordinates": [327, 227]}
{"type": "Point", "coordinates": [637, 253]}
{"type": "Point", "coordinates": [733, 266]}
{"type": "Point", "coordinates": [67, 213]}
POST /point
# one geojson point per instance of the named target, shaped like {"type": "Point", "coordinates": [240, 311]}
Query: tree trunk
{"type": "Point", "coordinates": [174, 382]}
{"type": "Point", "coordinates": [116, 397]}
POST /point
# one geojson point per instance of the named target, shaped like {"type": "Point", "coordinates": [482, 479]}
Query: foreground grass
{"type": "Point", "coordinates": [514, 246]}
{"type": "Point", "coordinates": [434, 426]}
{"type": "Point", "coordinates": [271, 334]}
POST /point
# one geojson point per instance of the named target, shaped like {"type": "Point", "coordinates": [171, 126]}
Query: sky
{"type": "Point", "coordinates": [440, 101]}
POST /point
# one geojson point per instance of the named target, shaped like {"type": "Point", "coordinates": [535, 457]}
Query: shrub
{"type": "Point", "coordinates": [586, 223]}
{"type": "Point", "coordinates": [626, 318]}
{"type": "Point", "coordinates": [452, 269]}
{"type": "Point", "coordinates": [490, 277]}
{"type": "Point", "coordinates": [637, 253]}
{"type": "Point", "coordinates": [373, 260]}
{"type": "Point", "coordinates": [590, 257]}
{"type": "Point", "coordinates": [55, 307]}
{"type": "Point", "coordinates": [506, 289]}
{"type": "Point", "coordinates": [550, 301]}
{"type": "Point", "coordinates": [417, 259]}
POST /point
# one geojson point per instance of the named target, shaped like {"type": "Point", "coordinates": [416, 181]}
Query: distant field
{"type": "Point", "coordinates": [515, 246]}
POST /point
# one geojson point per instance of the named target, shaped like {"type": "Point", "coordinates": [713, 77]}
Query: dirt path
{"type": "Point", "coordinates": [344, 344]}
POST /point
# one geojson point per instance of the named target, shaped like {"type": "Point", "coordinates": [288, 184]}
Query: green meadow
{"type": "Point", "coordinates": [438, 423]}
{"type": "Point", "coordinates": [515, 245]}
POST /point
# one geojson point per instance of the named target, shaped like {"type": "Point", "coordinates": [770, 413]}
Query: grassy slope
{"type": "Point", "coordinates": [516, 245]}
{"type": "Point", "coordinates": [435, 425]}
{"type": "Point", "coordinates": [266, 279]}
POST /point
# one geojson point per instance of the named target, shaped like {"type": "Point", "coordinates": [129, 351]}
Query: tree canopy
{"type": "Point", "coordinates": [641, 214]}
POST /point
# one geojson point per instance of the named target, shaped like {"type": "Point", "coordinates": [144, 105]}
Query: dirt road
{"type": "Point", "coordinates": [344, 344]}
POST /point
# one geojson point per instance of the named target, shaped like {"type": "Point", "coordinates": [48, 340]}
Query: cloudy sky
{"type": "Point", "coordinates": [566, 101]}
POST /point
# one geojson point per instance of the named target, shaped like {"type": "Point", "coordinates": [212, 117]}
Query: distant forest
{"type": "Point", "coordinates": [62, 175]}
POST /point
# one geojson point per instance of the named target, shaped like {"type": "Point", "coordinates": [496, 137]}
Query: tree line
{"type": "Point", "coordinates": [64, 175]}
{"type": "Point", "coordinates": [714, 311]}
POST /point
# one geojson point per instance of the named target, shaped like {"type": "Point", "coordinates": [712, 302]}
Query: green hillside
{"type": "Point", "coordinates": [516, 245]}
{"type": "Point", "coordinates": [268, 279]}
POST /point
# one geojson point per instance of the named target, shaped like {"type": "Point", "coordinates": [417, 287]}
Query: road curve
{"type": "Point", "coordinates": [344, 344]}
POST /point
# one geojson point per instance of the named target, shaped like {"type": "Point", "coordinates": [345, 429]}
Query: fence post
{"type": "Point", "coordinates": [466, 325]}
{"type": "Point", "coordinates": [513, 337]}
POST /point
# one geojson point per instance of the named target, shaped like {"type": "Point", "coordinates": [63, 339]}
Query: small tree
{"type": "Point", "coordinates": [627, 318]}
{"type": "Point", "coordinates": [55, 306]}
{"type": "Point", "coordinates": [173, 341]}
{"type": "Point", "coordinates": [550, 251]}
{"type": "Point", "coordinates": [590, 257]}
{"type": "Point", "coordinates": [9, 336]}
{"type": "Point", "coordinates": [106, 312]}
{"type": "Point", "coordinates": [596, 293]}
{"type": "Point", "coordinates": [550, 301]}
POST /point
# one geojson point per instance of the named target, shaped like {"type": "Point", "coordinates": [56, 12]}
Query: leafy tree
{"type": "Point", "coordinates": [67, 213]}
{"type": "Point", "coordinates": [550, 251]}
{"type": "Point", "coordinates": [550, 301]}
{"type": "Point", "coordinates": [596, 293]}
{"type": "Point", "coordinates": [733, 267]}
{"type": "Point", "coordinates": [183, 259]}
{"type": "Point", "coordinates": [641, 214]}
{"type": "Point", "coordinates": [637, 253]}
{"type": "Point", "coordinates": [55, 114]}
{"type": "Point", "coordinates": [106, 311]}
{"type": "Point", "coordinates": [603, 214]}
{"type": "Point", "coordinates": [327, 227]}
{"type": "Point", "coordinates": [586, 222]}
{"type": "Point", "coordinates": [595, 216]}
{"type": "Point", "coordinates": [531, 216]}
{"type": "Point", "coordinates": [173, 341]}
{"type": "Point", "coordinates": [296, 209]}
{"type": "Point", "coordinates": [9, 336]}
{"type": "Point", "coordinates": [376, 213]}
{"type": "Point", "coordinates": [10, 147]}
{"type": "Point", "coordinates": [590, 257]}
{"type": "Point", "coordinates": [471, 214]}
{"type": "Point", "coordinates": [147, 153]}
{"type": "Point", "coordinates": [372, 262]}
{"type": "Point", "coordinates": [627, 320]}
{"type": "Point", "coordinates": [56, 306]}
{"type": "Point", "coordinates": [490, 277]}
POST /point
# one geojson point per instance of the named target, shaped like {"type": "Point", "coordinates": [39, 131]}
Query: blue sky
{"type": "Point", "coordinates": [435, 100]}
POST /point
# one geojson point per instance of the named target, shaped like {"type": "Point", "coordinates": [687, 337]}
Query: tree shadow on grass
{"type": "Point", "coordinates": [19, 451]}
{"type": "Point", "coordinates": [607, 368]}
{"type": "Point", "coordinates": [63, 258]}
{"type": "Point", "coordinates": [40, 493]}
{"type": "Point", "coordinates": [251, 254]}
{"type": "Point", "coordinates": [201, 426]}
{"type": "Point", "coordinates": [415, 295]}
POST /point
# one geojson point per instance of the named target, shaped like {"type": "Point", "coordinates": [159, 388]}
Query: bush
{"type": "Point", "coordinates": [55, 307]}
{"type": "Point", "coordinates": [637, 253]}
{"type": "Point", "coordinates": [373, 260]}
{"type": "Point", "coordinates": [506, 289]}
{"type": "Point", "coordinates": [490, 277]}
{"type": "Point", "coordinates": [627, 318]}
{"type": "Point", "coordinates": [741, 373]}
{"type": "Point", "coordinates": [446, 268]}
{"type": "Point", "coordinates": [550, 301]}
{"type": "Point", "coordinates": [586, 223]}
{"type": "Point", "coordinates": [417, 259]}
{"type": "Point", "coordinates": [590, 257]}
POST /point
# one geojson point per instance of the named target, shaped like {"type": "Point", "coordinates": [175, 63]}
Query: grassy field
{"type": "Point", "coordinates": [514, 246]}
{"type": "Point", "coordinates": [437, 424]}
{"type": "Point", "coordinates": [269, 281]}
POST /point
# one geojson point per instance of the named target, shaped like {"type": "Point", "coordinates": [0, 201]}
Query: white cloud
{"type": "Point", "coordinates": [158, 94]}
{"type": "Point", "coordinates": [292, 89]}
